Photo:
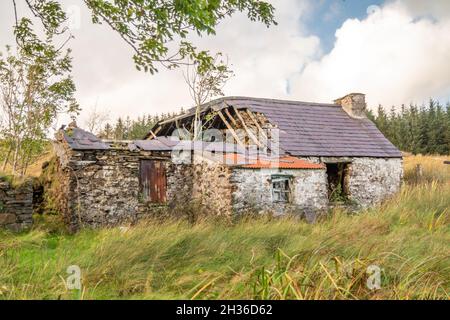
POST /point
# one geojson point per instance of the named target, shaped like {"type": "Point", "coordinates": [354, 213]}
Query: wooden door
{"type": "Point", "coordinates": [153, 181]}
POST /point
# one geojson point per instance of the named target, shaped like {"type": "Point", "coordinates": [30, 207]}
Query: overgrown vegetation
{"type": "Point", "coordinates": [34, 90]}
{"type": "Point", "coordinates": [407, 237]}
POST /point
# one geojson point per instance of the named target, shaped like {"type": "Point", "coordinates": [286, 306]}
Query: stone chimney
{"type": "Point", "coordinates": [354, 104]}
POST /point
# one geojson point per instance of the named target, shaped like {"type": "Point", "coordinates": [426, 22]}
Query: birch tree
{"type": "Point", "coordinates": [205, 84]}
{"type": "Point", "coordinates": [33, 91]}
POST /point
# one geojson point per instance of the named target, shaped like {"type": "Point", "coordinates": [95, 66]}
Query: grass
{"type": "Point", "coordinates": [433, 169]}
{"type": "Point", "coordinates": [408, 237]}
{"type": "Point", "coordinates": [35, 168]}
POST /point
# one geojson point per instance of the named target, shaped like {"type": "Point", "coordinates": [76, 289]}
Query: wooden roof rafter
{"type": "Point", "coordinates": [247, 130]}
{"type": "Point", "coordinates": [230, 128]}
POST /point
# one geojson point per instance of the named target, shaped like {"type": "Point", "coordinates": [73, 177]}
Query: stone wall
{"type": "Point", "coordinates": [372, 180]}
{"type": "Point", "coordinates": [253, 191]}
{"type": "Point", "coordinates": [212, 188]}
{"type": "Point", "coordinates": [16, 205]}
{"type": "Point", "coordinates": [101, 187]}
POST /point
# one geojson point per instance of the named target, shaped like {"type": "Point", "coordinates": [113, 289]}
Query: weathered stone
{"type": "Point", "coordinates": [374, 179]}
{"type": "Point", "coordinates": [254, 190]}
{"type": "Point", "coordinates": [15, 227]}
{"type": "Point", "coordinates": [7, 218]}
{"type": "Point", "coordinates": [16, 205]}
{"type": "Point", "coordinates": [103, 187]}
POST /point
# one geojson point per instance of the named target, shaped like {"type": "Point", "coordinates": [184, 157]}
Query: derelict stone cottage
{"type": "Point", "coordinates": [254, 155]}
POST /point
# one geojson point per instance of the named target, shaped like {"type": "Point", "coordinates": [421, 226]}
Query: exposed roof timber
{"type": "Point", "coordinates": [310, 129]}
{"type": "Point", "coordinates": [233, 133]}
{"type": "Point", "coordinates": [256, 123]}
{"type": "Point", "coordinates": [152, 134]}
{"type": "Point", "coordinates": [250, 134]}
{"type": "Point", "coordinates": [214, 105]}
{"type": "Point", "coordinates": [230, 116]}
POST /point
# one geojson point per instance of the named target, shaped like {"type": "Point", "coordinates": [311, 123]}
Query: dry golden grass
{"type": "Point", "coordinates": [433, 169]}
{"type": "Point", "coordinates": [408, 236]}
{"type": "Point", "coordinates": [35, 168]}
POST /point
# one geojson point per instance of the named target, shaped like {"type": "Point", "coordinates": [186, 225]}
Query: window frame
{"type": "Point", "coordinates": [287, 190]}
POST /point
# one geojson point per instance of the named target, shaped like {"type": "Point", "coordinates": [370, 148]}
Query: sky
{"type": "Point", "coordinates": [395, 51]}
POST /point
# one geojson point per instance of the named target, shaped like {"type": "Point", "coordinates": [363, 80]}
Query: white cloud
{"type": "Point", "coordinates": [436, 8]}
{"type": "Point", "coordinates": [393, 56]}
{"type": "Point", "coordinates": [262, 59]}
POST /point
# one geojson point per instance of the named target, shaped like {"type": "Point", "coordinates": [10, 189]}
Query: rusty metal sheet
{"type": "Point", "coordinates": [153, 181]}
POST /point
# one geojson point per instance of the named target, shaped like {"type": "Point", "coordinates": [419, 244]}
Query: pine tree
{"type": "Point", "coordinates": [107, 132]}
{"type": "Point", "coordinates": [423, 130]}
{"type": "Point", "coordinates": [119, 130]}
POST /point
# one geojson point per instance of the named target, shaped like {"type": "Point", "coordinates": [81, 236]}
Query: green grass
{"type": "Point", "coordinates": [408, 237]}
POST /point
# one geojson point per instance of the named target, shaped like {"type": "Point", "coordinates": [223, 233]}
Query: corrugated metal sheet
{"type": "Point", "coordinates": [285, 162]}
{"type": "Point", "coordinates": [154, 145]}
{"type": "Point", "coordinates": [79, 139]}
{"type": "Point", "coordinates": [316, 129]}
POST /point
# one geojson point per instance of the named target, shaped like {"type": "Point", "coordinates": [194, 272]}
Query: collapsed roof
{"type": "Point", "coordinates": [306, 129]}
{"type": "Point", "coordinates": [79, 139]}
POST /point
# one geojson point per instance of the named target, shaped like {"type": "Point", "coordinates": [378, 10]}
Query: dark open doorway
{"type": "Point", "coordinates": [337, 174]}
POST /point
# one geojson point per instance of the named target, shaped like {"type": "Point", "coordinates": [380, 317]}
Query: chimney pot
{"type": "Point", "coordinates": [354, 104]}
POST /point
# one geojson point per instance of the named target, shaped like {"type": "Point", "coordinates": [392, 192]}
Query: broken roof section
{"type": "Point", "coordinates": [308, 129]}
{"type": "Point", "coordinates": [230, 154]}
{"type": "Point", "coordinates": [79, 139]}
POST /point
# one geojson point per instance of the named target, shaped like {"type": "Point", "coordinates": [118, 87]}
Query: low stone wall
{"type": "Point", "coordinates": [16, 205]}
{"type": "Point", "coordinates": [253, 191]}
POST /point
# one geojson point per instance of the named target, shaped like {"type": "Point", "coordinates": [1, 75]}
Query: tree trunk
{"type": "Point", "coordinates": [16, 156]}
{"type": "Point", "coordinates": [26, 162]}
{"type": "Point", "coordinates": [5, 162]}
{"type": "Point", "coordinates": [197, 126]}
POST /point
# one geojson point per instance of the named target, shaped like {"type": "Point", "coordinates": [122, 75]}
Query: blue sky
{"type": "Point", "coordinates": [329, 15]}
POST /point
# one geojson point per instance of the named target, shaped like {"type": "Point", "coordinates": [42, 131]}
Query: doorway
{"type": "Point", "coordinates": [337, 176]}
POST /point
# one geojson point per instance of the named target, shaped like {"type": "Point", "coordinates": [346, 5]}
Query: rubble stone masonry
{"type": "Point", "coordinates": [253, 191]}
{"type": "Point", "coordinates": [16, 205]}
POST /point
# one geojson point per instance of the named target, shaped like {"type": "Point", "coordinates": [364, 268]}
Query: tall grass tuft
{"type": "Point", "coordinates": [407, 238]}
